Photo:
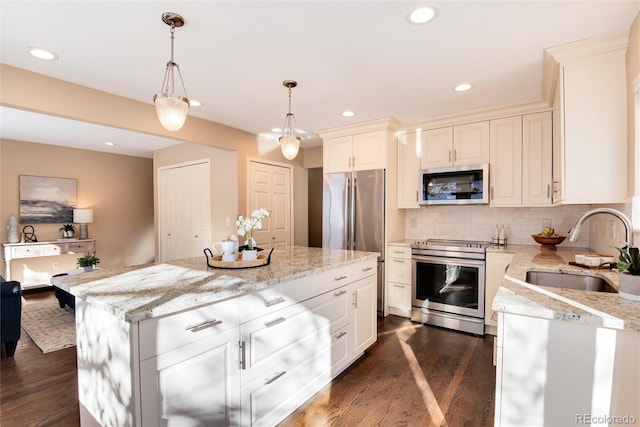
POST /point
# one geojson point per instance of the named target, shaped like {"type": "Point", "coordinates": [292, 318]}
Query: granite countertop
{"type": "Point", "coordinates": [151, 290]}
{"type": "Point", "coordinates": [594, 308]}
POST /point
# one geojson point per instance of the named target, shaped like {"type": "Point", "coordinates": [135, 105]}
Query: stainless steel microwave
{"type": "Point", "coordinates": [455, 185]}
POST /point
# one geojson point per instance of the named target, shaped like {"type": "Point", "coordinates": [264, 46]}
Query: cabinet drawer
{"type": "Point", "coordinates": [340, 350]}
{"type": "Point", "coordinates": [399, 270]}
{"type": "Point", "coordinates": [333, 306]}
{"type": "Point", "coordinates": [81, 246]}
{"type": "Point", "coordinates": [281, 335]}
{"type": "Point", "coordinates": [282, 295]}
{"type": "Point", "coordinates": [399, 252]}
{"type": "Point", "coordinates": [25, 251]}
{"type": "Point", "coordinates": [364, 269]}
{"type": "Point", "coordinates": [279, 391]}
{"type": "Point", "coordinates": [167, 333]}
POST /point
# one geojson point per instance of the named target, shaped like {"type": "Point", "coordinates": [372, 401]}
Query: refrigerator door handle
{"type": "Point", "coordinates": [348, 222]}
{"type": "Point", "coordinates": [352, 242]}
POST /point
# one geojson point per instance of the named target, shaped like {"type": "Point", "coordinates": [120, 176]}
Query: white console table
{"type": "Point", "coordinates": [39, 249]}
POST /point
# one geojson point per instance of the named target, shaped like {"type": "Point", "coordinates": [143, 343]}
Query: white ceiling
{"type": "Point", "coordinates": [234, 55]}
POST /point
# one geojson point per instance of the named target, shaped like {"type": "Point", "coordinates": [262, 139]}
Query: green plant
{"type": "Point", "coordinates": [629, 259]}
{"type": "Point", "coordinates": [68, 227]}
{"type": "Point", "coordinates": [88, 261]}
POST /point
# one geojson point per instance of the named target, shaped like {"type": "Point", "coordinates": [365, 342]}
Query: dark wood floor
{"type": "Point", "coordinates": [414, 375]}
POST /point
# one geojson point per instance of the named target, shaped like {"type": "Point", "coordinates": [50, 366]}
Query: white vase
{"type": "Point", "coordinates": [629, 287]}
{"type": "Point", "coordinates": [13, 235]}
{"type": "Point", "coordinates": [87, 268]}
{"type": "Point", "coordinates": [249, 254]}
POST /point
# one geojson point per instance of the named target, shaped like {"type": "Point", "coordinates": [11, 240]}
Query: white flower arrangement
{"type": "Point", "coordinates": [248, 225]}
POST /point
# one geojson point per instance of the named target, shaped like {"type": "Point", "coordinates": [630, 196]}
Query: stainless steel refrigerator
{"type": "Point", "coordinates": [353, 215]}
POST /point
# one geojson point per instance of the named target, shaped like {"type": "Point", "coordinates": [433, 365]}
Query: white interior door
{"type": "Point", "coordinates": [184, 219]}
{"type": "Point", "coordinates": [270, 188]}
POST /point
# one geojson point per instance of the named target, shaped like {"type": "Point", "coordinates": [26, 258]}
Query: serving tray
{"type": "Point", "coordinates": [215, 261]}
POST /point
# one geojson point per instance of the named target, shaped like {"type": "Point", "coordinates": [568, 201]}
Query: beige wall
{"type": "Point", "coordinates": [118, 188]}
{"type": "Point", "coordinates": [34, 92]}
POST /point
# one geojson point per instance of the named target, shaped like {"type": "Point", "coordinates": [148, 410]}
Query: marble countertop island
{"type": "Point", "coordinates": [595, 308]}
{"type": "Point", "coordinates": [151, 290]}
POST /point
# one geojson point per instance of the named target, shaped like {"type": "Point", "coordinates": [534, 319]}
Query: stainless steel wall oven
{"type": "Point", "coordinates": [448, 284]}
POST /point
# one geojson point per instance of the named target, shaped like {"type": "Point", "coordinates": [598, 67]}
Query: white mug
{"type": "Point", "coordinates": [228, 257]}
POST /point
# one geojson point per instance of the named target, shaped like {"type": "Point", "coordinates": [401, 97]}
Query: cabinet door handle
{"type": "Point", "coordinates": [355, 299]}
{"type": "Point", "coordinates": [449, 155]}
{"type": "Point", "coordinates": [243, 364]}
{"type": "Point", "coordinates": [339, 278]}
{"type": "Point", "coordinates": [491, 192]}
{"type": "Point", "coordinates": [203, 325]}
{"type": "Point", "coordinates": [548, 191]}
{"type": "Point", "coordinates": [273, 302]}
{"type": "Point", "coordinates": [269, 381]}
{"type": "Point", "coordinates": [398, 286]}
{"type": "Point", "coordinates": [274, 322]}
{"type": "Point", "coordinates": [338, 293]}
{"type": "Point", "coordinates": [340, 335]}
{"type": "Point", "coordinates": [367, 269]}
{"type": "Point", "coordinates": [455, 155]}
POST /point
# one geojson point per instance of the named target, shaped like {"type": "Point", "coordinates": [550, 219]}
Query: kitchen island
{"type": "Point", "coordinates": [564, 356]}
{"type": "Point", "coordinates": [180, 343]}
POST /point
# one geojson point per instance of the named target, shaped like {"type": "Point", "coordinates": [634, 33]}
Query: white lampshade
{"type": "Point", "coordinates": [83, 216]}
{"type": "Point", "coordinates": [172, 111]}
{"type": "Point", "coordinates": [289, 146]}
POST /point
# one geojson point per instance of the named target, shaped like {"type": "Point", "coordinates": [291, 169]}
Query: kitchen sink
{"type": "Point", "coordinates": [570, 281]}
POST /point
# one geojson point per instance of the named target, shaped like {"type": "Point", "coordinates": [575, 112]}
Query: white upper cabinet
{"type": "Point", "coordinates": [361, 151]}
{"type": "Point", "coordinates": [408, 166]}
{"type": "Point", "coordinates": [520, 169]}
{"type": "Point", "coordinates": [590, 136]}
{"type": "Point", "coordinates": [466, 144]}
{"type": "Point", "coordinates": [505, 172]}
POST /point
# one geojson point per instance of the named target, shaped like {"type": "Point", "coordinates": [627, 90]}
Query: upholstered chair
{"type": "Point", "coordinates": [10, 314]}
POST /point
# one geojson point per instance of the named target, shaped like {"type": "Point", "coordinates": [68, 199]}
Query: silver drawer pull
{"type": "Point", "coordinates": [273, 302]}
{"type": "Point", "coordinates": [274, 378]}
{"type": "Point", "coordinates": [399, 252]}
{"type": "Point", "coordinates": [340, 335]}
{"type": "Point", "coordinates": [338, 293]}
{"type": "Point", "coordinates": [339, 278]}
{"type": "Point", "coordinates": [367, 269]}
{"type": "Point", "coordinates": [399, 260]}
{"type": "Point", "coordinates": [203, 325]}
{"type": "Point", "coordinates": [274, 322]}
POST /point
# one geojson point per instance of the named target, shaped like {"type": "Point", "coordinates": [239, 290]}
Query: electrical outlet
{"type": "Point", "coordinates": [413, 222]}
{"type": "Point", "coordinates": [55, 265]}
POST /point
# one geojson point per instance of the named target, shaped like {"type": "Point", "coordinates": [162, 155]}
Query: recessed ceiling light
{"type": "Point", "coordinates": [462, 87]}
{"type": "Point", "coordinates": [276, 130]}
{"type": "Point", "coordinates": [195, 103]}
{"type": "Point", "coordinates": [44, 54]}
{"type": "Point", "coordinates": [110, 144]}
{"type": "Point", "coordinates": [348, 113]}
{"type": "Point", "coordinates": [421, 14]}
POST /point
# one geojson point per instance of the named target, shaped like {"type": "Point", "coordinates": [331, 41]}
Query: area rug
{"type": "Point", "coordinates": [50, 327]}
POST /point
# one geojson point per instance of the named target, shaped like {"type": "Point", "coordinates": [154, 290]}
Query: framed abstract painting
{"type": "Point", "coordinates": [47, 200]}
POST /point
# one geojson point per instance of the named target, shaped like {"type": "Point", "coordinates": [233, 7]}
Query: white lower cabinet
{"type": "Point", "coordinates": [399, 279]}
{"type": "Point", "coordinates": [497, 264]}
{"type": "Point", "coordinates": [198, 384]}
{"type": "Point", "coordinates": [253, 360]}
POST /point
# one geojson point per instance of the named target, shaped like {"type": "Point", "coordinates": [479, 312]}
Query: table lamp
{"type": "Point", "coordinates": [83, 217]}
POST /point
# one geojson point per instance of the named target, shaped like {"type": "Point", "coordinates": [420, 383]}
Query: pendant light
{"type": "Point", "coordinates": [172, 107]}
{"type": "Point", "coordinates": [289, 141]}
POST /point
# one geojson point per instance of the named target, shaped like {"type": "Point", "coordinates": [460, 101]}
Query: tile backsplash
{"type": "Point", "coordinates": [479, 222]}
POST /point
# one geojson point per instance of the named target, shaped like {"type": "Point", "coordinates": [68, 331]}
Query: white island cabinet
{"type": "Point", "coordinates": [200, 346]}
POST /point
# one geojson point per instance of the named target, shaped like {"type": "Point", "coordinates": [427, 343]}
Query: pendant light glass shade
{"type": "Point", "coordinates": [289, 141]}
{"type": "Point", "coordinates": [171, 107]}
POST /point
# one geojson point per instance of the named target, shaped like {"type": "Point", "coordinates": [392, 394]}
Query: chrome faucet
{"type": "Point", "coordinates": [573, 233]}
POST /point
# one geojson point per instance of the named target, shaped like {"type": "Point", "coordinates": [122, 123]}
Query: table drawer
{"type": "Point", "coordinates": [51, 250]}
{"type": "Point", "coordinates": [25, 251]}
{"type": "Point", "coordinates": [81, 247]}
{"type": "Point", "coordinates": [162, 334]}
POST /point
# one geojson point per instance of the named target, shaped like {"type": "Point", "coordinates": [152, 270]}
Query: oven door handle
{"type": "Point", "coordinates": [448, 261]}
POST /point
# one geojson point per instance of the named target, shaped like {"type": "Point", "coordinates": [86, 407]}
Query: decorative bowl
{"type": "Point", "coordinates": [548, 242]}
